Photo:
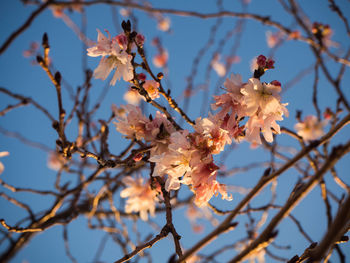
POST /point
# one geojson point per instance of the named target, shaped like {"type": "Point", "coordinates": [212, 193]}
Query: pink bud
{"type": "Point", "coordinates": [140, 39]}
{"type": "Point", "coordinates": [327, 114]}
{"type": "Point", "coordinates": [141, 77]}
{"type": "Point", "coordinates": [138, 157]}
{"type": "Point", "coordinates": [276, 83]}
{"type": "Point", "coordinates": [261, 61]}
{"type": "Point", "coordinates": [122, 41]}
{"type": "Point", "coordinates": [269, 64]}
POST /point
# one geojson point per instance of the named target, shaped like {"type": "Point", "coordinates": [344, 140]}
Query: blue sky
{"type": "Point", "coordinates": [26, 166]}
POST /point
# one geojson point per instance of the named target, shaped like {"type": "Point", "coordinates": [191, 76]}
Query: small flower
{"type": "Point", "coordinates": [132, 97]}
{"type": "Point", "coordinates": [213, 137]}
{"type": "Point", "coordinates": [3, 154]}
{"type": "Point", "coordinates": [114, 56]}
{"type": "Point", "coordinates": [204, 184]}
{"type": "Point", "coordinates": [231, 105]}
{"type": "Point", "coordinates": [264, 109]}
{"type": "Point", "coordinates": [218, 66]}
{"type": "Point", "coordinates": [152, 86]}
{"type": "Point", "coordinates": [141, 197]}
{"type": "Point", "coordinates": [274, 39]}
{"type": "Point", "coordinates": [175, 162]}
{"type": "Point", "coordinates": [131, 122]}
{"type": "Point", "coordinates": [55, 161]}
{"type": "Point", "coordinates": [261, 96]}
{"type": "Point", "coordinates": [103, 46]}
{"type": "Point", "coordinates": [311, 128]}
{"type": "Point", "coordinates": [164, 24]}
{"type": "Point", "coordinates": [122, 64]}
{"type": "Point", "coordinates": [160, 60]}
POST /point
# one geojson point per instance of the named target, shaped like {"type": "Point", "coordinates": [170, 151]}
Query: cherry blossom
{"type": "Point", "coordinates": [158, 132]}
{"type": "Point", "coordinates": [141, 197]}
{"type": "Point", "coordinates": [274, 39]}
{"type": "Point", "coordinates": [264, 108]}
{"type": "Point", "coordinates": [55, 161]}
{"type": "Point", "coordinates": [131, 122]}
{"type": "Point", "coordinates": [311, 128]}
{"type": "Point", "coordinates": [213, 137]}
{"type": "Point", "coordinates": [134, 125]}
{"type": "Point", "coordinates": [151, 86]}
{"type": "Point", "coordinates": [117, 59]}
{"type": "Point", "coordinates": [176, 161]}
{"type": "Point", "coordinates": [161, 59]}
{"type": "Point", "coordinates": [204, 184]}
{"type": "Point", "coordinates": [164, 24]}
{"type": "Point", "coordinates": [261, 96]}
{"type": "Point", "coordinates": [218, 66]}
{"type": "Point", "coordinates": [231, 105]}
{"type": "Point", "coordinates": [232, 100]}
{"type": "Point", "coordinates": [132, 97]}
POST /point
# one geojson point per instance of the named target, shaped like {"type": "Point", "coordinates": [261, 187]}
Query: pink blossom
{"type": "Point", "coordinates": [141, 197]}
{"type": "Point", "coordinates": [311, 128]}
{"type": "Point", "coordinates": [231, 105]}
{"type": "Point", "coordinates": [103, 46]}
{"type": "Point", "coordinates": [218, 66]}
{"type": "Point", "coordinates": [131, 122]}
{"type": "Point", "coordinates": [160, 60]}
{"type": "Point", "coordinates": [176, 161]}
{"type": "Point", "coordinates": [261, 96]}
{"type": "Point", "coordinates": [164, 24]}
{"type": "Point", "coordinates": [132, 97]}
{"type": "Point", "coordinates": [158, 132]}
{"type": "Point", "coordinates": [204, 184]}
{"type": "Point", "coordinates": [274, 39]}
{"type": "Point", "coordinates": [264, 123]}
{"type": "Point", "coordinates": [215, 137]}
{"type": "Point", "coordinates": [231, 101]}
{"type": "Point", "coordinates": [122, 64]}
{"type": "Point", "coordinates": [152, 86]}
{"type": "Point", "coordinates": [117, 58]}
{"type": "Point", "coordinates": [55, 161]}
{"type": "Point", "coordinates": [140, 39]}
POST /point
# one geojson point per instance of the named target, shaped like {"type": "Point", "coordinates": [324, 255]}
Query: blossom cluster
{"type": "Point", "coordinates": [180, 156]}
{"type": "Point", "coordinates": [258, 101]}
